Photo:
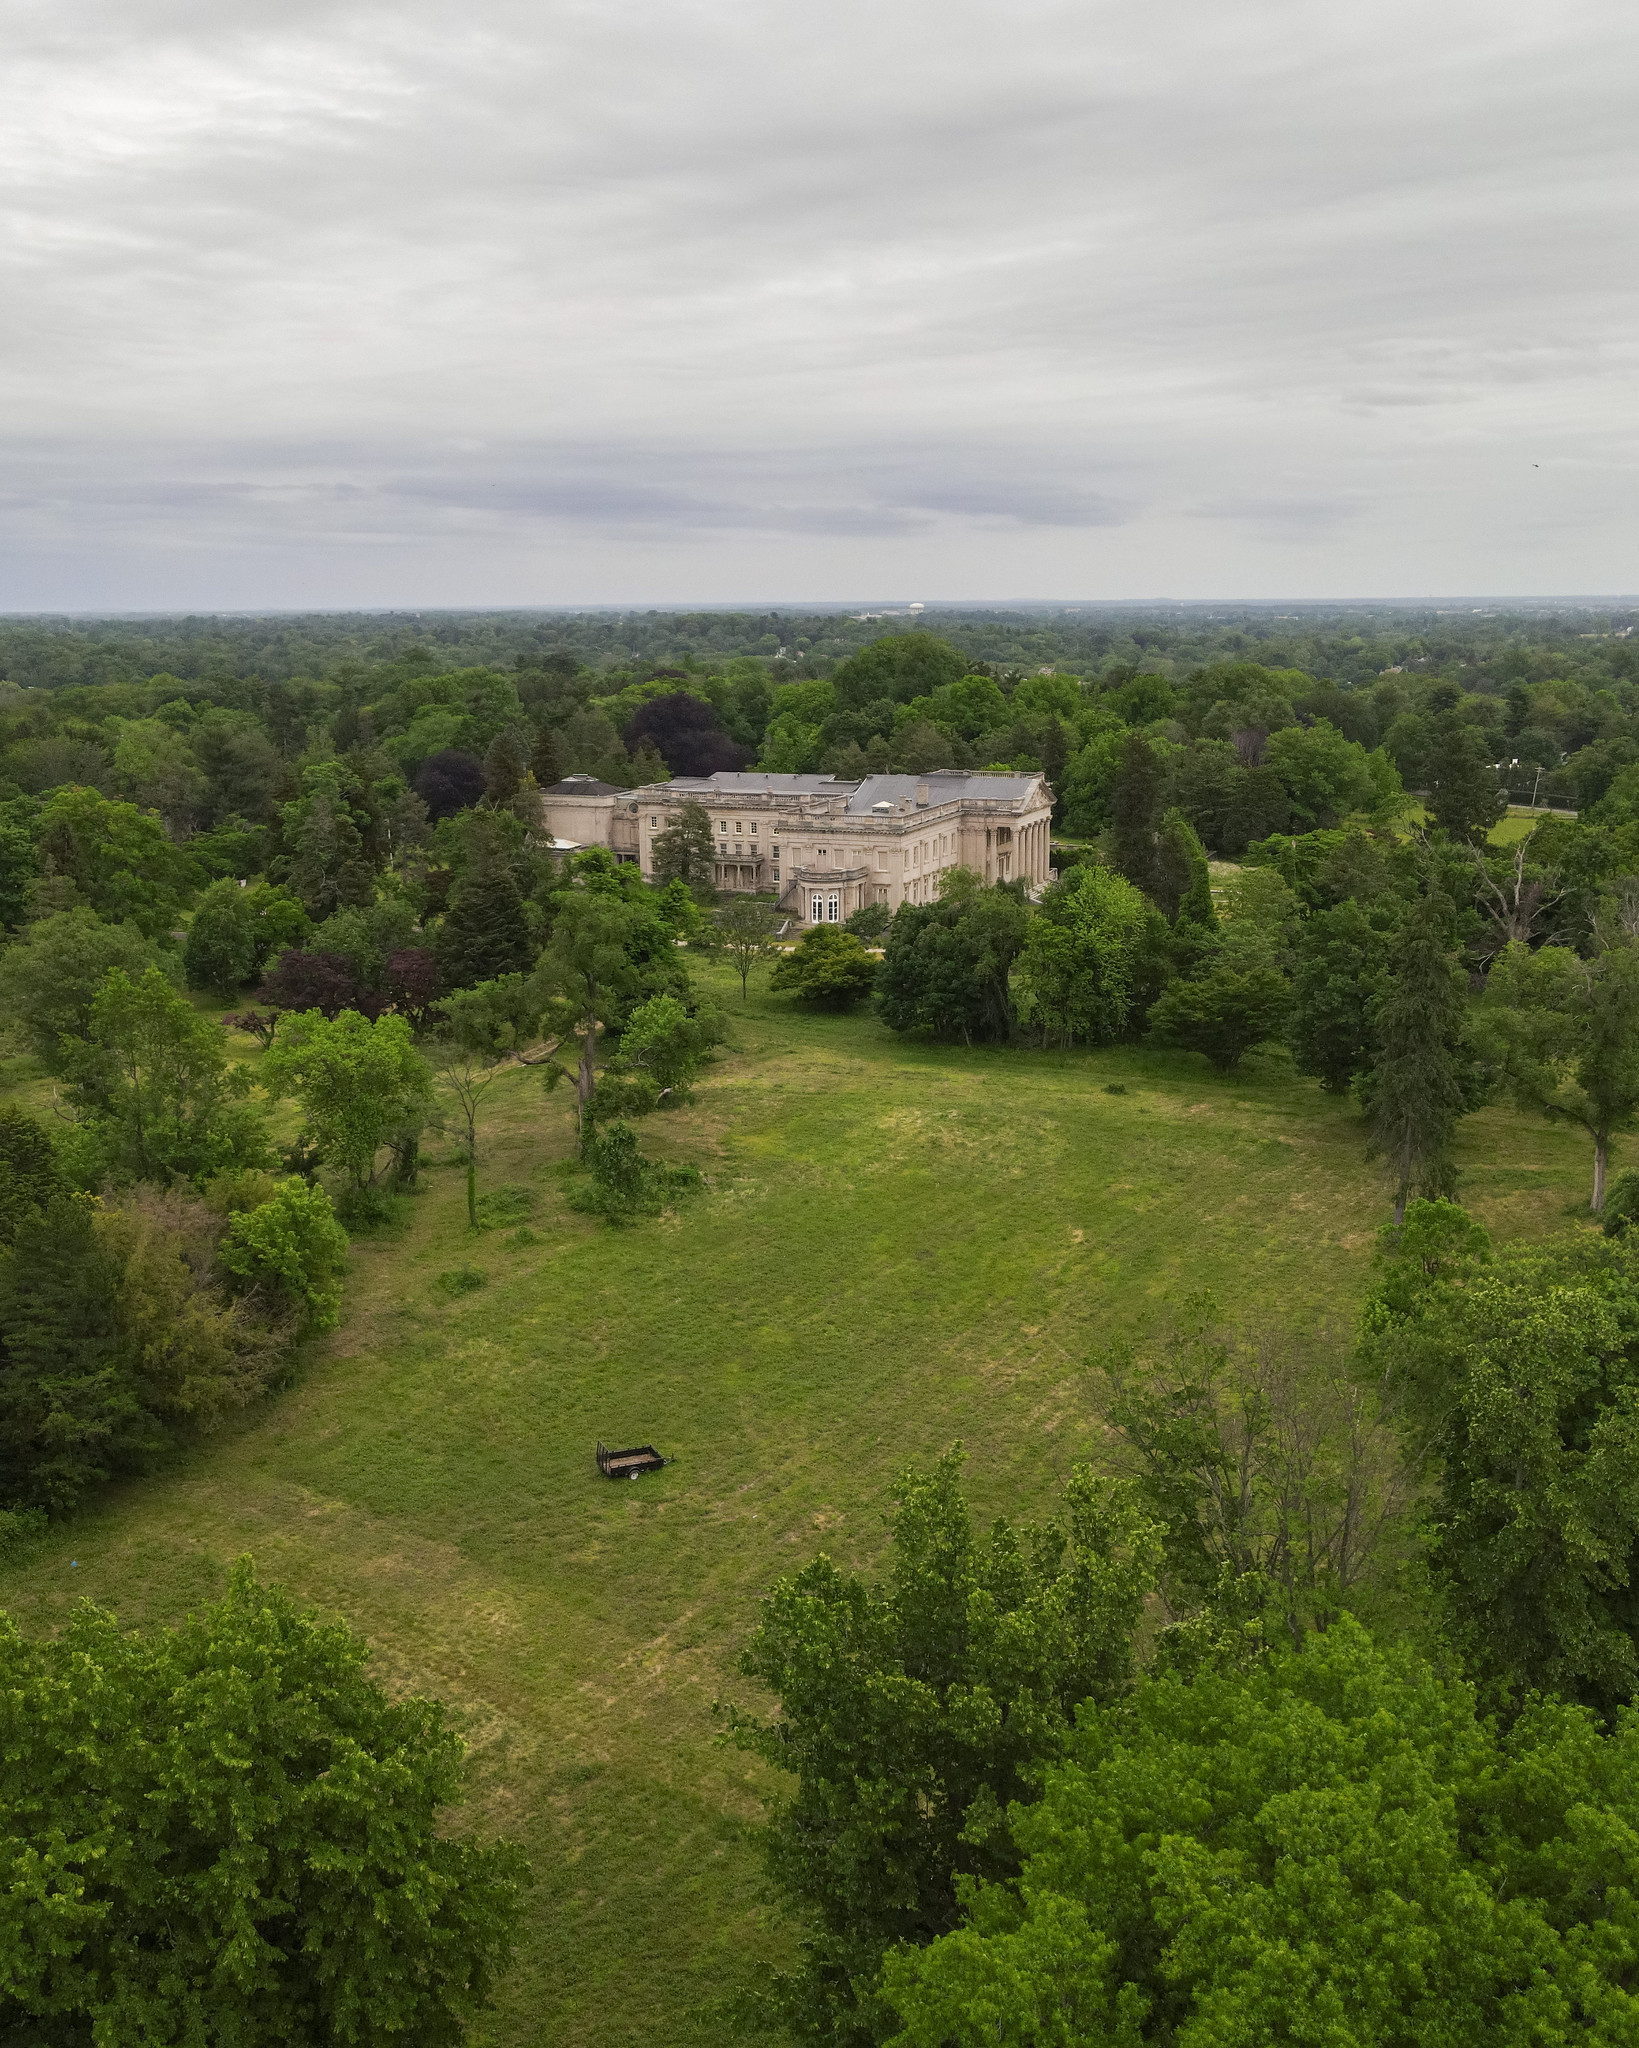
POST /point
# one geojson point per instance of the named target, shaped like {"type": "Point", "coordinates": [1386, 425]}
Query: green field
{"type": "Point", "coordinates": [898, 1246]}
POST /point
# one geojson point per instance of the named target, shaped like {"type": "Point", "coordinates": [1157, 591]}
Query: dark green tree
{"type": "Point", "coordinates": [1418, 1086]}
{"type": "Point", "coordinates": [1079, 961]}
{"type": "Point", "coordinates": [1342, 963]}
{"type": "Point", "coordinates": [219, 953]}
{"type": "Point", "coordinates": [69, 1412]}
{"type": "Point", "coordinates": [669, 1045]}
{"type": "Point", "coordinates": [545, 762]}
{"type": "Point", "coordinates": [361, 1084]}
{"type": "Point", "coordinates": [1135, 814]}
{"type": "Point", "coordinates": [588, 980]}
{"type": "Point", "coordinates": [683, 850]}
{"type": "Point", "coordinates": [898, 666]}
{"type": "Point", "coordinates": [325, 861]}
{"type": "Point", "coordinates": [828, 967]}
{"type": "Point", "coordinates": [1466, 797]}
{"type": "Point", "coordinates": [485, 934]}
{"type": "Point", "coordinates": [1055, 757]}
{"type": "Point", "coordinates": [1183, 881]}
{"type": "Point", "coordinates": [1223, 1013]}
{"type": "Point", "coordinates": [1519, 1374]}
{"type": "Point", "coordinates": [19, 866]}
{"type": "Point", "coordinates": [29, 1171]}
{"type": "Point", "coordinates": [237, 1836]}
{"type": "Point", "coordinates": [915, 1710]}
{"type": "Point", "coordinates": [947, 967]}
{"type": "Point", "coordinates": [624, 1185]}
{"type": "Point", "coordinates": [506, 763]}
{"type": "Point", "coordinates": [115, 858]}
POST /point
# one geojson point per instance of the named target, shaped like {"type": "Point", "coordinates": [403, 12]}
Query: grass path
{"type": "Point", "coordinates": [899, 1246]}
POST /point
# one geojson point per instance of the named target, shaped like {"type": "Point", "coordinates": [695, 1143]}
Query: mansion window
{"type": "Point", "coordinates": [833, 909]}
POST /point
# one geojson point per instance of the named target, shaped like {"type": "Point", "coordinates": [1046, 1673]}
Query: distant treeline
{"type": "Point", "coordinates": [1347, 644]}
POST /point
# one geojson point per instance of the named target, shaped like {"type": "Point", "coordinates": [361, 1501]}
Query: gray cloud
{"type": "Point", "coordinates": [330, 303]}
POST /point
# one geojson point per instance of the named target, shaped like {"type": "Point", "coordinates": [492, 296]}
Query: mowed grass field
{"type": "Point", "coordinates": [899, 1245]}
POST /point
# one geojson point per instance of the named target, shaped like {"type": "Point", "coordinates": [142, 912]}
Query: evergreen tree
{"type": "Point", "coordinates": [1342, 960]}
{"type": "Point", "coordinates": [683, 851]}
{"type": "Point", "coordinates": [545, 763]}
{"type": "Point", "coordinates": [1416, 1092]}
{"type": "Point", "coordinates": [506, 762]}
{"type": "Point", "coordinates": [69, 1413]}
{"type": "Point", "coordinates": [1135, 811]}
{"type": "Point", "coordinates": [29, 1173]}
{"type": "Point", "coordinates": [1465, 797]}
{"type": "Point", "coordinates": [1182, 877]}
{"type": "Point", "coordinates": [486, 932]}
{"type": "Point", "coordinates": [327, 866]}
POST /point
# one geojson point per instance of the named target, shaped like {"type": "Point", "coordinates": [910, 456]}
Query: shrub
{"type": "Point", "coordinates": [625, 1185]}
{"type": "Point", "coordinates": [1223, 1015]}
{"type": "Point", "coordinates": [293, 1246]}
{"type": "Point", "coordinates": [503, 1207]}
{"type": "Point", "coordinates": [462, 1280]}
{"type": "Point", "coordinates": [829, 968]}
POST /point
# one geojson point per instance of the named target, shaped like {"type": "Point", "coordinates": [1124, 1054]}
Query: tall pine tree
{"type": "Point", "coordinates": [69, 1412]}
{"type": "Point", "coordinates": [545, 763]}
{"type": "Point", "coordinates": [1135, 811]}
{"type": "Point", "coordinates": [1416, 1092]}
{"type": "Point", "coordinates": [486, 930]}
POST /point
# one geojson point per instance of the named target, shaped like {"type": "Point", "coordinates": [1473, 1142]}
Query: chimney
{"type": "Point", "coordinates": [921, 796]}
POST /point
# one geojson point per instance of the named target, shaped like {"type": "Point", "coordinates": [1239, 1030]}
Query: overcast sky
{"type": "Point", "coordinates": [316, 303]}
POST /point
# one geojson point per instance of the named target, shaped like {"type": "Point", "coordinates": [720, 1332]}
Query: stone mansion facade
{"type": "Point", "coordinates": [824, 847]}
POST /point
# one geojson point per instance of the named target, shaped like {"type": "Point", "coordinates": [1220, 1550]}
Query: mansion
{"type": "Point", "coordinates": [821, 846]}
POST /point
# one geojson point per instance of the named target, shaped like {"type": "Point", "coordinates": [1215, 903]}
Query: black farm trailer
{"type": "Point", "coordinates": [629, 1464]}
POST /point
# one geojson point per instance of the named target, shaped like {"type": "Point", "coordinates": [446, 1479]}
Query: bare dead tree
{"type": "Point", "coordinates": [1266, 1461]}
{"type": "Point", "coordinates": [1516, 903]}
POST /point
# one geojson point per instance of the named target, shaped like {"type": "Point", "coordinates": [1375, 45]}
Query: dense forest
{"type": "Point", "coordinates": [276, 905]}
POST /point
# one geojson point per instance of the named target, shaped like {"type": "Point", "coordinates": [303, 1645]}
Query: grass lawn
{"type": "Point", "coordinates": [899, 1245]}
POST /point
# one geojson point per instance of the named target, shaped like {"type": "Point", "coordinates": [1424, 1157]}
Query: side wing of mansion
{"type": "Point", "coordinates": [823, 847]}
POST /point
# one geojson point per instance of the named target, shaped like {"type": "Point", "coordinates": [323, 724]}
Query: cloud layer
{"type": "Point", "coordinates": [338, 304]}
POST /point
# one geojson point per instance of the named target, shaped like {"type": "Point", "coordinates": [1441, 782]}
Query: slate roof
{"type": "Point", "coordinates": [944, 785]}
{"type": "Point", "coordinates": [755, 782]}
{"type": "Point", "coordinates": [584, 785]}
